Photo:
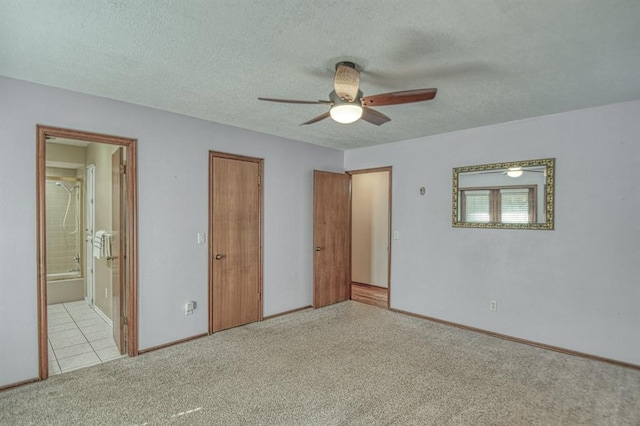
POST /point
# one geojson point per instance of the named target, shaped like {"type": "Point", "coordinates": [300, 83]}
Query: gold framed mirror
{"type": "Point", "coordinates": [512, 195]}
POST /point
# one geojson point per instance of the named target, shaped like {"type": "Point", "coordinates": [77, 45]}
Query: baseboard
{"type": "Point", "coordinates": [17, 384]}
{"type": "Point", "coordinates": [197, 336]}
{"type": "Point", "coordinates": [369, 285]}
{"type": "Point", "coordinates": [522, 341]}
{"type": "Point", "coordinates": [175, 342]}
{"type": "Point", "coordinates": [102, 315]}
{"type": "Point", "coordinates": [293, 311]}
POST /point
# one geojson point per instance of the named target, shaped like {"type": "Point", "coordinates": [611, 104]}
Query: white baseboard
{"type": "Point", "coordinates": [103, 315]}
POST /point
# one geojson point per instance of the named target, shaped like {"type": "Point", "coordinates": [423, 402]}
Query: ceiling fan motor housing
{"type": "Point", "coordinates": [337, 100]}
{"type": "Point", "coordinates": [346, 82]}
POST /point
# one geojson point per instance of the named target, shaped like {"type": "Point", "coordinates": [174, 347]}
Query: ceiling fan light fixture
{"type": "Point", "coordinates": [346, 113]}
{"type": "Point", "coordinates": [514, 172]}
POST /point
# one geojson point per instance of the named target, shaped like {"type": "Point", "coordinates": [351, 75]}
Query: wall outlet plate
{"type": "Point", "coordinates": [493, 305]}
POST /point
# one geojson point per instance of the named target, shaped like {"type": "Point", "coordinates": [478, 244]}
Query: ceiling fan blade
{"type": "Point", "coordinates": [395, 98]}
{"type": "Point", "coordinates": [294, 101]}
{"type": "Point", "coordinates": [316, 119]}
{"type": "Point", "coordinates": [374, 117]}
{"type": "Point", "coordinates": [346, 81]}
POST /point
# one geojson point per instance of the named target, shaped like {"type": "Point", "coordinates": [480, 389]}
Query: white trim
{"type": "Point", "coordinates": [90, 190]}
{"type": "Point", "coordinates": [103, 315]}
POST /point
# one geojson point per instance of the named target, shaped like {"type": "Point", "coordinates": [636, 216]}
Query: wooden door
{"type": "Point", "coordinates": [332, 238]}
{"type": "Point", "coordinates": [235, 247]}
{"type": "Point", "coordinates": [117, 248]}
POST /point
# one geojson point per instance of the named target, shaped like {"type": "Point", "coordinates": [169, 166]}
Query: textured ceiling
{"type": "Point", "coordinates": [492, 61]}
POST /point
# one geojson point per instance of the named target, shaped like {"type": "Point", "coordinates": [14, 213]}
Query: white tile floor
{"type": "Point", "coordinates": [78, 337]}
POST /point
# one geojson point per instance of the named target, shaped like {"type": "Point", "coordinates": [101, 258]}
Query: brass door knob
{"type": "Point", "coordinates": [318, 248]}
{"type": "Point", "coordinates": [218, 256]}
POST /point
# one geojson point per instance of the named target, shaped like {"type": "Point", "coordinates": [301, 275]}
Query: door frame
{"type": "Point", "coordinates": [90, 220]}
{"type": "Point", "coordinates": [131, 213]}
{"type": "Point", "coordinates": [260, 162]}
{"type": "Point", "coordinates": [376, 170]}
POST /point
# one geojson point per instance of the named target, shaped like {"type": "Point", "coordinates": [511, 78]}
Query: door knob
{"type": "Point", "coordinates": [218, 256]}
{"type": "Point", "coordinates": [318, 248]}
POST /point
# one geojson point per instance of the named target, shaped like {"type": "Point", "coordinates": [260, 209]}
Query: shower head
{"type": "Point", "coordinates": [69, 190]}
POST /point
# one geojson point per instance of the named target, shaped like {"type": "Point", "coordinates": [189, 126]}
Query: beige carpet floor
{"type": "Point", "coordinates": [347, 364]}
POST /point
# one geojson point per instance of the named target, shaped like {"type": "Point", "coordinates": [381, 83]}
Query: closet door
{"type": "Point", "coordinates": [235, 241]}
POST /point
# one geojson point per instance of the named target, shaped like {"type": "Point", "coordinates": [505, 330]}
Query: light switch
{"type": "Point", "coordinates": [202, 238]}
{"type": "Point", "coordinates": [396, 235]}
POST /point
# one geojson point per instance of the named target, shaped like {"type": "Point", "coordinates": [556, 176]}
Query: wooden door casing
{"type": "Point", "coordinates": [118, 307]}
{"type": "Point", "coordinates": [130, 243]}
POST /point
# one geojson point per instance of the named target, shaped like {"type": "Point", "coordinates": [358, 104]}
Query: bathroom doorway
{"type": "Point", "coordinates": [371, 236]}
{"type": "Point", "coordinates": [87, 262]}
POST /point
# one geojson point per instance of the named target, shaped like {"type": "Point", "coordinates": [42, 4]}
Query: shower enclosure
{"type": "Point", "coordinates": [65, 231]}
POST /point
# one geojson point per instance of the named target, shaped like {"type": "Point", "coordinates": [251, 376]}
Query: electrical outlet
{"type": "Point", "coordinates": [493, 305]}
{"type": "Point", "coordinates": [189, 307]}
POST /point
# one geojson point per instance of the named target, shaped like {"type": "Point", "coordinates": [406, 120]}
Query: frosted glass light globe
{"type": "Point", "coordinates": [346, 113]}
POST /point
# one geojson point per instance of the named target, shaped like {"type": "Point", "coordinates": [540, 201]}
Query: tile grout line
{"type": "Point", "coordinates": [83, 335]}
{"type": "Point", "coordinates": [77, 327]}
{"type": "Point", "coordinates": [55, 357]}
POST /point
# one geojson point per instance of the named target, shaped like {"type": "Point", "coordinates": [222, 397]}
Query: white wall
{"type": "Point", "coordinates": [173, 181]}
{"type": "Point", "coordinates": [574, 287]}
{"type": "Point", "coordinates": [578, 286]}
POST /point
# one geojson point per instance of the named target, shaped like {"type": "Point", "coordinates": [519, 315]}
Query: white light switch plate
{"type": "Point", "coordinates": [202, 238]}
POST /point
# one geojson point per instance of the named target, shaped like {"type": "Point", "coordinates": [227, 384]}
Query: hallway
{"type": "Point", "coordinates": [369, 294]}
{"type": "Point", "coordinates": [78, 338]}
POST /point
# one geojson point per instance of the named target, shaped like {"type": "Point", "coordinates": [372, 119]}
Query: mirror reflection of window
{"type": "Point", "coordinates": [498, 204]}
{"type": "Point", "coordinates": [475, 206]}
{"type": "Point", "coordinates": [518, 205]}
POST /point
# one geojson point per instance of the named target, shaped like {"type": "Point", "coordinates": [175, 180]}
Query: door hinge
{"type": "Point", "coordinates": [123, 169]}
{"type": "Point", "coordinates": [124, 321]}
{"type": "Point", "coordinates": [259, 180]}
{"type": "Point", "coordinates": [259, 297]}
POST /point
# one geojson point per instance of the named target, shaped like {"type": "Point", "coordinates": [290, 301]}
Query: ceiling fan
{"type": "Point", "coordinates": [347, 105]}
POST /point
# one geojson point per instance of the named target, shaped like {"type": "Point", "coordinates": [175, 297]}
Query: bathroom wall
{"type": "Point", "coordinates": [63, 244]}
{"type": "Point", "coordinates": [64, 235]}
{"type": "Point", "coordinates": [62, 160]}
{"type": "Point", "coordinates": [65, 155]}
